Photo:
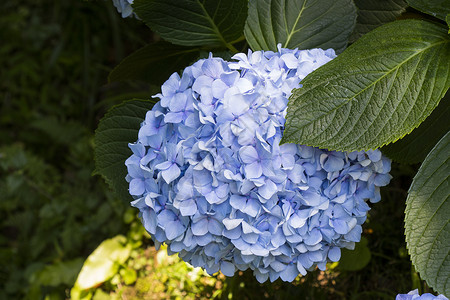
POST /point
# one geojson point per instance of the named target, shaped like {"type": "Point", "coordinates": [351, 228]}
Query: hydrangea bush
{"type": "Point", "coordinates": [208, 172]}
{"type": "Point", "coordinates": [212, 181]}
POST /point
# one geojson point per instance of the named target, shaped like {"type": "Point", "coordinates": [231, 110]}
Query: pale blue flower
{"type": "Point", "coordinates": [212, 181]}
{"type": "Point", "coordinates": [414, 295]}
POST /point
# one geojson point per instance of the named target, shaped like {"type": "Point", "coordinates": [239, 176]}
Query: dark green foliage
{"type": "Point", "coordinates": [301, 24]}
{"type": "Point", "coordinates": [55, 57]}
{"type": "Point", "coordinates": [356, 259]}
{"type": "Point", "coordinates": [374, 13]}
{"type": "Point", "coordinates": [161, 56]}
{"type": "Point", "coordinates": [436, 8]}
{"type": "Point", "coordinates": [414, 147]}
{"type": "Point", "coordinates": [194, 22]}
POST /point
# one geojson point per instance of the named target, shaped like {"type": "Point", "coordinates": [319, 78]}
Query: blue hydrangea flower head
{"type": "Point", "coordinates": [212, 181]}
{"type": "Point", "coordinates": [124, 7]}
{"type": "Point", "coordinates": [414, 295]}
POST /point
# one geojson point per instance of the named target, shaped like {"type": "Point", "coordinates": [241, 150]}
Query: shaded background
{"type": "Point", "coordinates": [55, 57]}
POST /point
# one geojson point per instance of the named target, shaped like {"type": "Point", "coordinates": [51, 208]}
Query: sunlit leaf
{"type": "Point", "coordinates": [103, 263]}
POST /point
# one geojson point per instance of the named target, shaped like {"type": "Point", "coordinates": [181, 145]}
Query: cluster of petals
{"type": "Point", "coordinates": [124, 7]}
{"type": "Point", "coordinates": [212, 181]}
{"type": "Point", "coordinates": [414, 295]}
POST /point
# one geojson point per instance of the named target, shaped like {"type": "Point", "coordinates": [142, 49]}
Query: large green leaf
{"type": "Point", "coordinates": [373, 13]}
{"type": "Point", "coordinates": [103, 263]}
{"type": "Point", "coordinates": [195, 22]}
{"type": "Point", "coordinates": [427, 226]}
{"type": "Point", "coordinates": [436, 8]}
{"type": "Point", "coordinates": [154, 63]}
{"type": "Point", "coordinates": [304, 24]}
{"type": "Point", "coordinates": [414, 147]}
{"type": "Point", "coordinates": [118, 127]}
{"type": "Point", "coordinates": [375, 92]}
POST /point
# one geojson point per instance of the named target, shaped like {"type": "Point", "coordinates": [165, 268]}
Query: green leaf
{"type": "Point", "coordinates": [154, 63]}
{"type": "Point", "coordinates": [357, 259]}
{"type": "Point", "coordinates": [118, 127]}
{"type": "Point", "coordinates": [103, 263]}
{"type": "Point", "coordinates": [128, 275]}
{"type": "Point", "coordinates": [414, 147]}
{"type": "Point", "coordinates": [303, 24]}
{"type": "Point", "coordinates": [377, 91]}
{"type": "Point", "coordinates": [195, 22]}
{"type": "Point", "coordinates": [373, 13]}
{"type": "Point", "coordinates": [427, 226]}
{"type": "Point", "coordinates": [60, 273]}
{"type": "Point", "coordinates": [436, 8]}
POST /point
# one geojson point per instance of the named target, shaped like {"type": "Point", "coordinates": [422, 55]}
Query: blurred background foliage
{"type": "Point", "coordinates": [55, 57]}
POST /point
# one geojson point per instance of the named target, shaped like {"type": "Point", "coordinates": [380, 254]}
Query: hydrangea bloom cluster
{"type": "Point", "coordinates": [414, 295]}
{"type": "Point", "coordinates": [212, 181]}
{"type": "Point", "coordinates": [124, 7]}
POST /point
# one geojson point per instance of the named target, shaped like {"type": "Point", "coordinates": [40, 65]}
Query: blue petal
{"type": "Point", "coordinates": [233, 233]}
{"type": "Point", "coordinates": [248, 154]}
{"type": "Point", "coordinates": [150, 222]}
{"type": "Point", "coordinates": [257, 249]}
{"type": "Point", "coordinates": [382, 179]}
{"type": "Point", "coordinates": [253, 170]}
{"type": "Point", "coordinates": [313, 238]}
{"type": "Point", "coordinates": [252, 208]}
{"type": "Point", "coordinates": [231, 223]}
{"type": "Point", "coordinates": [240, 244]}
{"type": "Point", "coordinates": [227, 268]}
{"type": "Point", "coordinates": [201, 82]}
{"type": "Point", "coordinates": [374, 155]}
{"type": "Point", "coordinates": [340, 226]}
{"type": "Point", "coordinates": [215, 227]}
{"type": "Point", "coordinates": [174, 117]}
{"type": "Point", "coordinates": [260, 277]}
{"type": "Point", "coordinates": [334, 253]}
{"type": "Point", "coordinates": [333, 163]}
{"type": "Point", "coordinates": [171, 173]}
{"type": "Point", "coordinates": [301, 269]}
{"type": "Point", "coordinates": [200, 227]}
{"type": "Point", "coordinates": [403, 297]}
{"type": "Point", "coordinates": [290, 273]}
{"type": "Point", "coordinates": [188, 207]}
{"type": "Point", "coordinates": [268, 189]}
{"type": "Point", "coordinates": [137, 187]}
{"type": "Point", "coordinates": [174, 229]}
{"type": "Point", "coordinates": [354, 235]}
